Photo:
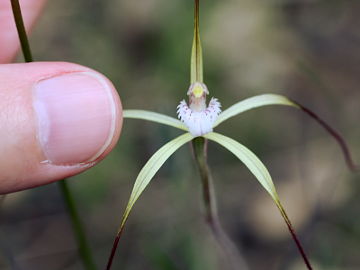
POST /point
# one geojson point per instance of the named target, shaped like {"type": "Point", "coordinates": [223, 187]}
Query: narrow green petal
{"type": "Point", "coordinates": [249, 159]}
{"type": "Point", "coordinates": [150, 169]}
{"type": "Point", "coordinates": [154, 117]}
{"type": "Point", "coordinates": [252, 103]}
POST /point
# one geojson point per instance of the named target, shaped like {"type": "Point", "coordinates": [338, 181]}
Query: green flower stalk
{"type": "Point", "coordinates": [234, 258]}
{"type": "Point", "coordinates": [198, 121]}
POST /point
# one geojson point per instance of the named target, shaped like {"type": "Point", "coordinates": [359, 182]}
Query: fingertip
{"type": "Point", "coordinates": [76, 117]}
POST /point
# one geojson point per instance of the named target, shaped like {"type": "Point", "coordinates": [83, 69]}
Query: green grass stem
{"type": "Point", "coordinates": [24, 42]}
{"type": "Point", "coordinates": [83, 245]}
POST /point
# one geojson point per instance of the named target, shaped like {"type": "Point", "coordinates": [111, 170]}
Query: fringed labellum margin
{"type": "Point", "coordinates": [198, 118]}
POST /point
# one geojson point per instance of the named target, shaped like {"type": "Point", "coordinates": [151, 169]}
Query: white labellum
{"type": "Point", "coordinates": [199, 122]}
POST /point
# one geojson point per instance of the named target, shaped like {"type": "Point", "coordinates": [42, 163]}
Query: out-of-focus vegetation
{"type": "Point", "coordinates": [308, 50]}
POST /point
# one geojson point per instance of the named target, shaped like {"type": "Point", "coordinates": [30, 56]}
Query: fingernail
{"type": "Point", "coordinates": [76, 117]}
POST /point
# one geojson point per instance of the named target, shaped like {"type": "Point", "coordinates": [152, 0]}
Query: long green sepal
{"type": "Point", "coordinates": [196, 63]}
{"type": "Point", "coordinates": [252, 103]}
{"type": "Point", "coordinates": [272, 99]}
{"type": "Point", "coordinates": [253, 163]}
{"type": "Point", "coordinates": [145, 176]}
{"type": "Point", "coordinates": [154, 117]}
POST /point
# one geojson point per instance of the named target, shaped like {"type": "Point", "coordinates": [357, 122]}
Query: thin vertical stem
{"type": "Point", "coordinates": [2, 199]}
{"type": "Point", "coordinates": [25, 47]}
{"type": "Point", "coordinates": [199, 145]}
{"type": "Point", "coordinates": [211, 213]}
{"type": "Point", "coordinates": [83, 245]}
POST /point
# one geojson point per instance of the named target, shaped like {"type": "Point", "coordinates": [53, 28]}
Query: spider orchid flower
{"type": "Point", "coordinates": [198, 119]}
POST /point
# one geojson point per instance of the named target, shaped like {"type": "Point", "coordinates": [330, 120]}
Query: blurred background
{"type": "Point", "coordinates": [308, 50]}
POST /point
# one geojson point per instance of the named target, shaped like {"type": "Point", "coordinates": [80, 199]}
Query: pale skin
{"type": "Point", "coordinates": [30, 157]}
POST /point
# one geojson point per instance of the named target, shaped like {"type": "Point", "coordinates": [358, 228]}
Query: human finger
{"type": "Point", "coordinates": [56, 120]}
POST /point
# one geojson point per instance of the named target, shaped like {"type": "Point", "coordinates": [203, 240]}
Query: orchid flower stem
{"type": "Point", "coordinates": [78, 227]}
{"type": "Point", "coordinates": [200, 151]}
{"type": "Point", "coordinates": [25, 47]}
{"type": "Point", "coordinates": [211, 214]}
{"type": "Point", "coordinates": [83, 246]}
